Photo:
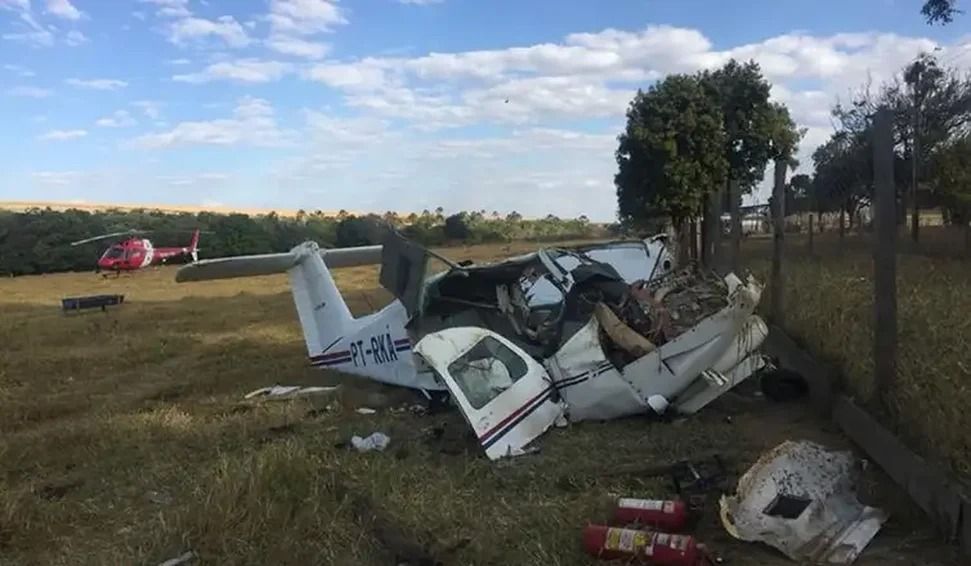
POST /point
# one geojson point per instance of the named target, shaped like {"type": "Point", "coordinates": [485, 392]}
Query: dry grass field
{"type": "Point", "coordinates": [124, 440]}
{"type": "Point", "coordinates": [829, 307]}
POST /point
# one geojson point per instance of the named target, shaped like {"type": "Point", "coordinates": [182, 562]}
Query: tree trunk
{"type": "Point", "coordinates": [811, 232]}
{"type": "Point", "coordinates": [734, 205]}
{"type": "Point", "coordinates": [967, 237]}
{"type": "Point", "coordinates": [842, 223]}
{"type": "Point", "coordinates": [681, 232]}
{"type": "Point", "coordinates": [693, 234]}
{"type": "Point", "coordinates": [713, 228]}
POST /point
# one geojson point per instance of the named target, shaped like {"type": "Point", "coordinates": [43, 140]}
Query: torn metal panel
{"type": "Point", "coordinates": [506, 397]}
{"type": "Point", "coordinates": [588, 383]}
{"type": "Point", "coordinates": [403, 267]}
{"type": "Point", "coordinates": [800, 498]}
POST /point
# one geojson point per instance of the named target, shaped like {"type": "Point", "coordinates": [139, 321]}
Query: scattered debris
{"type": "Point", "coordinates": [54, 492]}
{"type": "Point", "coordinates": [800, 498]}
{"type": "Point", "coordinates": [377, 441]}
{"type": "Point", "coordinates": [159, 497]}
{"type": "Point", "coordinates": [402, 548]}
{"type": "Point", "coordinates": [178, 560]}
{"type": "Point", "coordinates": [284, 392]}
{"type": "Point", "coordinates": [365, 411]}
{"type": "Point", "coordinates": [690, 479]}
{"type": "Point", "coordinates": [276, 432]}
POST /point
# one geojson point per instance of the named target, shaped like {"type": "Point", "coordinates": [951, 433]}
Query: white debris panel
{"type": "Point", "coordinates": [800, 498]}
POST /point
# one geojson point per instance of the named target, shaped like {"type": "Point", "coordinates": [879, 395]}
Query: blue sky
{"type": "Point", "coordinates": [377, 105]}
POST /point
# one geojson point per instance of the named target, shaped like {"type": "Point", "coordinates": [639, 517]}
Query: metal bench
{"type": "Point", "coordinates": [78, 304]}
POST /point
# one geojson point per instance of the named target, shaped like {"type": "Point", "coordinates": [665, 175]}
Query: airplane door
{"type": "Point", "coordinates": [504, 394]}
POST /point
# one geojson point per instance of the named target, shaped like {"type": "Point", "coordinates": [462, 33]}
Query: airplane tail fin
{"type": "Point", "coordinates": [324, 316]}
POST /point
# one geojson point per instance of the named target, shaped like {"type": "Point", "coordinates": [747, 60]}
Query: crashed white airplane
{"type": "Point", "coordinates": [562, 334]}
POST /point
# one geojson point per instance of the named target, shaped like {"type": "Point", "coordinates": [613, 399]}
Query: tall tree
{"type": "Point", "coordinates": [671, 154]}
{"type": "Point", "coordinates": [748, 120]}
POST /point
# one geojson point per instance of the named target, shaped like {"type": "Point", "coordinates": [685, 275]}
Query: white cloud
{"type": "Point", "coordinates": [304, 17]}
{"type": "Point", "coordinates": [39, 38]}
{"type": "Point", "coordinates": [29, 92]}
{"type": "Point", "coordinates": [178, 62]}
{"type": "Point", "coordinates": [368, 74]}
{"type": "Point", "coordinates": [119, 119]}
{"type": "Point", "coordinates": [23, 5]}
{"type": "Point", "coordinates": [298, 47]}
{"type": "Point", "coordinates": [19, 70]}
{"type": "Point", "coordinates": [198, 179]}
{"type": "Point", "coordinates": [150, 108]}
{"type": "Point", "coordinates": [242, 70]}
{"type": "Point", "coordinates": [56, 178]}
{"type": "Point", "coordinates": [28, 31]}
{"type": "Point", "coordinates": [171, 8]}
{"type": "Point", "coordinates": [62, 135]}
{"type": "Point", "coordinates": [191, 29]}
{"type": "Point", "coordinates": [97, 84]}
{"type": "Point", "coordinates": [253, 123]}
{"type": "Point", "coordinates": [75, 38]}
{"type": "Point", "coordinates": [63, 9]}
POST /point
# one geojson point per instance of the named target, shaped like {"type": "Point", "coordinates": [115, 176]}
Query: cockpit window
{"type": "Point", "coordinates": [115, 253]}
{"type": "Point", "coordinates": [631, 261]}
{"type": "Point", "coordinates": [487, 370]}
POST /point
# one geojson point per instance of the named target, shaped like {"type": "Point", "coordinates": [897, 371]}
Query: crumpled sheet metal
{"type": "Point", "coordinates": [834, 527]}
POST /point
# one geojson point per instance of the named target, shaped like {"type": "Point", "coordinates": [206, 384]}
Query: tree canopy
{"type": "Point", "coordinates": [37, 241]}
{"type": "Point", "coordinates": [671, 153]}
{"type": "Point", "coordinates": [931, 107]}
{"type": "Point", "coordinates": [749, 120]}
{"type": "Point", "coordinates": [940, 11]}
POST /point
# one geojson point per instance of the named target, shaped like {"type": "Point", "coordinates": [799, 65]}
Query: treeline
{"type": "Point", "coordinates": [930, 107]}
{"type": "Point", "coordinates": [38, 241]}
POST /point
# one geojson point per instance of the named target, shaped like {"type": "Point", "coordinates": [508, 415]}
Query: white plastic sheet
{"type": "Point", "coordinates": [800, 498]}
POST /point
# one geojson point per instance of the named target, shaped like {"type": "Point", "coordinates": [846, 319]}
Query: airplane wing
{"type": "Point", "coordinates": [267, 264]}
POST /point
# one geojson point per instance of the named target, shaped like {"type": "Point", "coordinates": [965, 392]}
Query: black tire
{"type": "Point", "coordinates": [783, 385]}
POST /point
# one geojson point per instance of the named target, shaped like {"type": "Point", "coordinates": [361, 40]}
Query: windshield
{"type": "Point", "coordinates": [114, 252]}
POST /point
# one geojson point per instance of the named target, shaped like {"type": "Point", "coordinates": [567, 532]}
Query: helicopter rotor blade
{"type": "Point", "coordinates": [107, 236]}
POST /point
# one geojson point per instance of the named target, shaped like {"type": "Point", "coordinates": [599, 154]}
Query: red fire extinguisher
{"type": "Point", "coordinates": [668, 516]}
{"type": "Point", "coordinates": [646, 547]}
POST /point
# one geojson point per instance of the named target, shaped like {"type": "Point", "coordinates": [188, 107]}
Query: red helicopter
{"type": "Point", "coordinates": [133, 253]}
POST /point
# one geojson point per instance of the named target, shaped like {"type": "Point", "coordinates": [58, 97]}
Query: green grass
{"type": "Point", "coordinates": [124, 440]}
{"type": "Point", "coordinates": [829, 307]}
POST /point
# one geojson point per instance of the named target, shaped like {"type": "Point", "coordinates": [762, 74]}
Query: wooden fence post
{"type": "Point", "coordinates": [884, 258]}
{"type": "Point", "coordinates": [734, 203]}
{"type": "Point", "coordinates": [778, 231]}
